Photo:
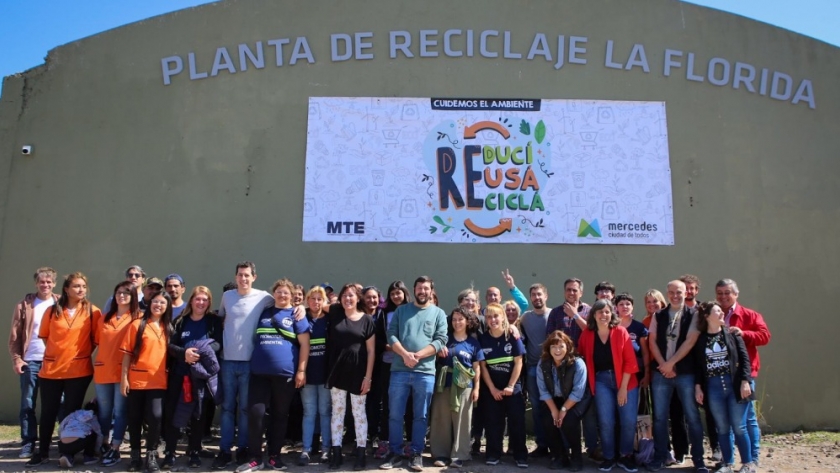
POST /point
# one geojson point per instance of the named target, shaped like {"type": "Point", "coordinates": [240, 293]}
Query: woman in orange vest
{"type": "Point", "coordinates": [108, 334]}
{"type": "Point", "coordinates": [143, 380]}
{"type": "Point", "coordinates": [67, 330]}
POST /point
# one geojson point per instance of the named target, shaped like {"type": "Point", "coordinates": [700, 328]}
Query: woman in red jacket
{"type": "Point", "coordinates": [611, 367]}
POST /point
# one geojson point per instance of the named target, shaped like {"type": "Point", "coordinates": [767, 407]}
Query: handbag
{"type": "Point", "coordinates": [643, 441]}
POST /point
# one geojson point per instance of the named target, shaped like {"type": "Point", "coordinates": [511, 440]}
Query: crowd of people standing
{"type": "Point", "coordinates": [161, 364]}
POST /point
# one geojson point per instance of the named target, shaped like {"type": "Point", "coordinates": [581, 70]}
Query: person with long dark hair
{"type": "Point", "coordinates": [373, 401]}
{"type": "Point", "coordinates": [611, 369]}
{"type": "Point", "coordinates": [723, 368]}
{"type": "Point", "coordinates": [144, 379]}
{"type": "Point", "coordinates": [67, 330]}
{"type": "Point", "coordinates": [351, 351]}
{"type": "Point", "coordinates": [196, 323]}
{"type": "Point", "coordinates": [398, 295]}
{"type": "Point", "coordinates": [109, 333]}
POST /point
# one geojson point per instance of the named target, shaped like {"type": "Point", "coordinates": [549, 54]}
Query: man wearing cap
{"type": "Point", "coordinates": [332, 297]}
{"type": "Point", "coordinates": [135, 275]}
{"type": "Point", "coordinates": [174, 285]}
{"type": "Point", "coordinates": [152, 287]}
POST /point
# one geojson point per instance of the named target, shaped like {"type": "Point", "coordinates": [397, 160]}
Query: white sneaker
{"type": "Point", "coordinates": [27, 450]}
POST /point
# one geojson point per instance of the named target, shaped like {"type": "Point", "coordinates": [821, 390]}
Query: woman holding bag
{"type": "Point", "coordinates": [458, 384]}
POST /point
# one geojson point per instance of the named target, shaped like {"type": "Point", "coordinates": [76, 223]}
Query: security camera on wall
{"type": "Point", "coordinates": [26, 150]}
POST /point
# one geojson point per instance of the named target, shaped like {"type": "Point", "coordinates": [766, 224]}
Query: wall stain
{"type": "Point", "coordinates": [248, 186]}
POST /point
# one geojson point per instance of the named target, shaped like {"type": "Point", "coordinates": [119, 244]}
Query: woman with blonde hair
{"type": "Point", "coordinates": [315, 395]}
{"type": "Point", "coordinates": [196, 324]}
{"type": "Point", "coordinates": [501, 387]}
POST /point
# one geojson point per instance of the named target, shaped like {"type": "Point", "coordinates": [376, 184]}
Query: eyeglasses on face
{"type": "Point", "coordinates": [135, 275]}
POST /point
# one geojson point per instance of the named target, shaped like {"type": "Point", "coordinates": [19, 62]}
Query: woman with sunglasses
{"type": "Point", "coordinates": [109, 333]}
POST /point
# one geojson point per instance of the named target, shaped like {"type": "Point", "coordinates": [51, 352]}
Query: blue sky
{"type": "Point", "coordinates": [30, 28]}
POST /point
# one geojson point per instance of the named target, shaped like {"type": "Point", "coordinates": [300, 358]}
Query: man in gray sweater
{"type": "Point", "coordinates": [533, 324]}
{"type": "Point", "coordinates": [416, 333]}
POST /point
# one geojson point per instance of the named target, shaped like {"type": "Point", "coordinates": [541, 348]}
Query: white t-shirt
{"type": "Point", "coordinates": [241, 315]}
{"type": "Point", "coordinates": [35, 349]}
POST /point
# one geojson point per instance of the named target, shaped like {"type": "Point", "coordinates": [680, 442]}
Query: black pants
{"type": "Point", "coordinates": [264, 392]}
{"type": "Point", "coordinates": [172, 433]}
{"type": "Point", "coordinates": [569, 430]}
{"type": "Point", "coordinates": [73, 389]}
{"type": "Point", "coordinates": [145, 405]}
{"type": "Point", "coordinates": [512, 409]}
{"type": "Point", "coordinates": [86, 444]}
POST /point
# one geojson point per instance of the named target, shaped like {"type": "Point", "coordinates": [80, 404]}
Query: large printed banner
{"type": "Point", "coordinates": [487, 171]}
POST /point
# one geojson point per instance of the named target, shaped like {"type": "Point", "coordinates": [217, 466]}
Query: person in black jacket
{"type": "Point", "coordinates": [723, 368]}
{"type": "Point", "coordinates": [197, 322]}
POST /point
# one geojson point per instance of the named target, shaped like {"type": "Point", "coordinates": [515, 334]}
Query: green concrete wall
{"type": "Point", "coordinates": [197, 175]}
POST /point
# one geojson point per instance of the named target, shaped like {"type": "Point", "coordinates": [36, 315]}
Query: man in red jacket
{"type": "Point", "coordinates": [750, 325]}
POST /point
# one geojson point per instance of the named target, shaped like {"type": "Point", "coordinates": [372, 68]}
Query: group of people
{"type": "Point", "coordinates": [160, 364]}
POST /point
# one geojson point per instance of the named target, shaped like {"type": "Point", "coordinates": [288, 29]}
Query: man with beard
{"type": "Point", "coordinates": [416, 333]}
{"type": "Point", "coordinates": [533, 323]}
{"type": "Point", "coordinates": [569, 318]}
{"type": "Point", "coordinates": [174, 286]}
{"type": "Point", "coordinates": [692, 288]}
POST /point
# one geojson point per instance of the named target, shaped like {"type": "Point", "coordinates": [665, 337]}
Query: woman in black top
{"type": "Point", "coordinates": [723, 366]}
{"type": "Point", "coordinates": [351, 355]}
{"type": "Point", "coordinates": [196, 322]}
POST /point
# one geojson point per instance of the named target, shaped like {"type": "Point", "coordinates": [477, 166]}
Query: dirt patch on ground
{"type": "Point", "coordinates": [781, 453]}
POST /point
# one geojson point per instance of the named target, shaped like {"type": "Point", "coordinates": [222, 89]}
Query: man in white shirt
{"type": "Point", "coordinates": [27, 352]}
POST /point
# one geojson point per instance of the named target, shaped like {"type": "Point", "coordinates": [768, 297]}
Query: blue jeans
{"type": "Point", "coordinates": [28, 401]}
{"type": "Point", "coordinates": [316, 402]}
{"type": "Point", "coordinates": [606, 403]}
{"type": "Point", "coordinates": [662, 389]}
{"type": "Point", "coordinates": [235, 377]}
{"type": "Point", "coordinates": [112, 405]}
{"type": "Point", "coordinates": [536, 406]}
{"type": "Point", "coordinates": [753, 430]}
{"type": "Point", "coordinates": [420, 386]}
{"type": "Point", "coordinates": [730, 418]}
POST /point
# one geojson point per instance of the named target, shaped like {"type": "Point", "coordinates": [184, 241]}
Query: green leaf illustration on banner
{"type": "Point", "coordinates": [525, 128]}
{"type": "Point", "coordinates": [436, 218]}
{"type": "Point", "coordinates": [539, 132]}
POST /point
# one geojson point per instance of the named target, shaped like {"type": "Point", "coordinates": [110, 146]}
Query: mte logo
{"type": "Point", "coordinates": [589, 229]}
{"type": "Point", "coordinates": [346, 228]}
